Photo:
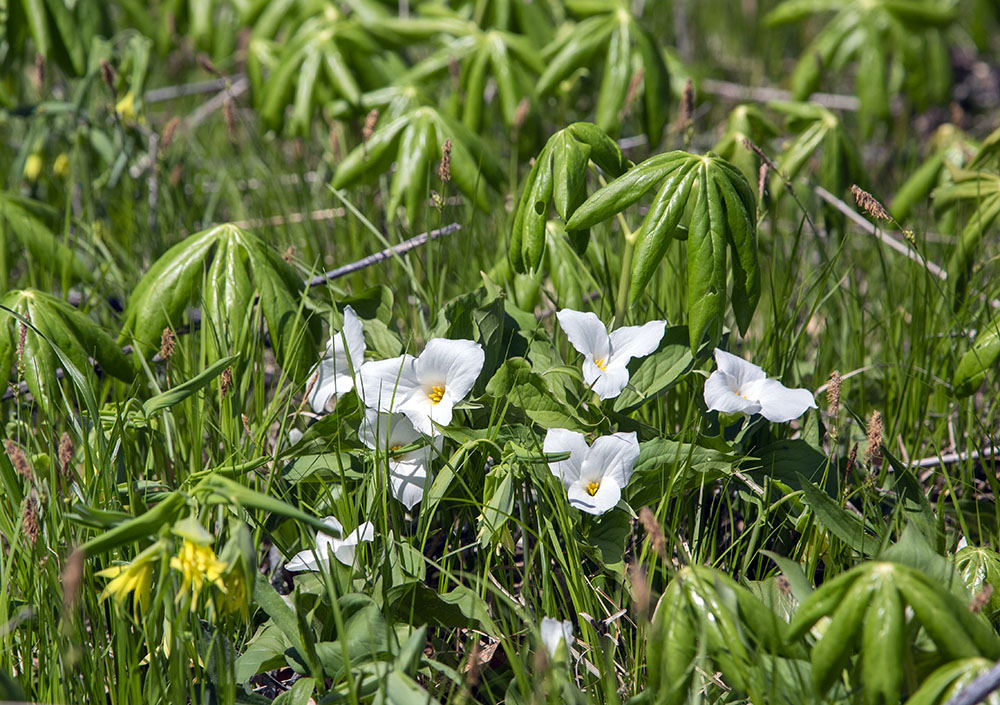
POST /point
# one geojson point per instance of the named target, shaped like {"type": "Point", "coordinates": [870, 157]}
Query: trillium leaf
{"type": "Point", "coordinates": [516, 384]}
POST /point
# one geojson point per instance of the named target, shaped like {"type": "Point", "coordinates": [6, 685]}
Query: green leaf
{"type": "Point", "coordinates": [137, 528]}
{"type": "Point", "coordinates": [182, 391]}
{"type": "Point", "coordinates": [516, 384]}
{"type": "Point", "coordinates": [832, 652]}
{"type": "Point", "coordinates": [883, 643]}
{"type": "Point", "coordinates": [844, 525]}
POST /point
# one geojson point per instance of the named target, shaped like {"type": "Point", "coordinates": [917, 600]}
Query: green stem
{"type": "Point", "coordinates": [625, 280]}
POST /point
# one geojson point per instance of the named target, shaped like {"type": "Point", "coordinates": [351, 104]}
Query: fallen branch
{"type": "Point", "coordinates": [892, 242]}
{"type": "Point", "coordinates": [978, 690]}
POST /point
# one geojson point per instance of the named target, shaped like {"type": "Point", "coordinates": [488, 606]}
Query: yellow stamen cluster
{"type": "Point", "coordinates": [601, 363]}
{"type": "Point", "coordinates": [592, 487]}
{"type": "Point", "coordinates": [197, 565]}
{"type": "Point", "coordinates": [436, 393]}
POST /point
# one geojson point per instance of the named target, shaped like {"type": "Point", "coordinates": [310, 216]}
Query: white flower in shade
{"type": "Point", "coordinates": [334, 375]}
{"type": "Point", "coordinates": [425, 388]}
{"type": "Point", "coordinates": [341, 549]}
{"type": "Point", "coordinates": [593, 475]}
{"type": "Point", "coordinates": [739, 386]}
{"type": "Point", "coordinates": [606, 355]}
{"type": "Point", "coordinates": [554, 633]}
{"type": "Point", "coordinates": [409, 473]}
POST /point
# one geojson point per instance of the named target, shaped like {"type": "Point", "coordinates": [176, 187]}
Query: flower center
{"type": "Point", "coordinates": [601, 364]}
{"type": "Point", "coordinates": [436, 393]}
{"type": "Point", "coordinates": [592, 487]}
{"type": "Point", "coordinates": [395, 447]}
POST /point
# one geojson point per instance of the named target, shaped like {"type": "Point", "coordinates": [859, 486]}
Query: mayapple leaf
{"type": "Point", "coordinates": [19, 217]}
{"type": "Point", "coordinates": [722, 213]}
{"type": "Point", "coordinates": [983, 356]}
{"type": "Point", "coordinates": [558, 179]}
{"type": "Point", "coordinates": [241, 267]}
{"type": "Point", "coordinates": [53, 322]}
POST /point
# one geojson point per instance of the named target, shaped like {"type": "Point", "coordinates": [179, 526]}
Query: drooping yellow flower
{"type": "Point", "coordinates": [126, 108]}
{"type": "Point", "coordinates": [198, 566]}
{"type": "Point", "coordinates": [33, 167]}
{"type": "Point", "coordinates": [135, 577]}
{"type": "Point", "coordinates": [61, 166]}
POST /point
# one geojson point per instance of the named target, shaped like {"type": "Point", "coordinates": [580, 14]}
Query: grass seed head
{"type": "Point", "coordinates": [873, 451]}
{"type": "Point", "coordinates": [29, 510]}
{"type": "Point", "coordinates": [22, 338]}
{"type": "Point", "coordinates": [444, 171]}
{"type": "Point", "coordinates": [226, 382]}
{"type": "Point", "coordinates": [654, 533]}
{"type": "Point", "coordinates": [641, 594]}
{"type": "Point", "coordinates": [72, 576]}
{"type": "Point", "coordinates": [168, 132]}
{"type": "Point", "coordinates": [108, 74]}
{"type": "Point", "coordinates": [981, 599]}
{"type": "Point", "coordinates": [40, 71]}
{"type": "Point", "coordinates": [472, 665]}
{"type": "Point", "coordinates": [229, 115]}
{"type": "Point", "coordinates": [869, 204]}
{"type": "Point", "coordinates": [167, 344]}
{"type": "Point", "coordinates": [18, 459]}
{"type": "Point", "coordinates": [687, 106]}
{"type": "Point", "coordinates": [852, 459]}
{"type": "Point", "coordinates": [521, 114]}
{"type": "Point", "coordinates": [65, 452]}
{"type": "Point", "coordinates": [833, 392]}
{"type": "Point", "coordinates": [370, 121]}
{"type": "Point", "coordinates": [207, 64]}
{"type": "Point", "coordinates": [762, 179]}
{"type": "Point", "coordinates": [631, 94]}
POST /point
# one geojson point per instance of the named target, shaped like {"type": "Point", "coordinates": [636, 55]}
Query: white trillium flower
{"type": "Point", "coordinates": [341, 549]}
{"type": "Point", "coordinates": [409, 473]}
{"type": "Point", "coordinates": [593, 475]}
{"type": "Point", "coordinates": [334, 375]}
{"type": "Point", "coordinates": [554, 633]}
{"type": "Point", "coordinates": [739, 386]}
{"type": "Point", "coordinates": [606, 355]}
{"type": "Point", "coordinates": [425, 388]}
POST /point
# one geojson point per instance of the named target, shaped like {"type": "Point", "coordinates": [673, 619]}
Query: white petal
{"type": "Point", "coordinates": [720, 397]}
{"type": "Point", "coordinates": [387, 384]}
{"type": "Point", "coordinates": [327, 380]}
{"type": "Point", "coordinates": [409, 477]}
{"type": "Point", "coordinates": [344, 550]}
{"type": "Point", "coordinates": [454, 364]}
{"type": "Point", "coordinates": [606, 497]}
{"type": "Point", "coordinates": [607, 383]}
{"type": "Point", "coordinates": [303, 560]}
{"type": "Point", "coordinates": [636, 341]}
{"type": "Point", "coordinates": [354, 337]}
{"type": "Point", "coordinates": [374, 430]}
{"type": "Point", "coordinates": [555, 632]}
{"type": "Point", "coordinates": [294, 436]}
{"type": "Point", "coordinates": [778, 403]}
{"type": "Point", "coordinates": [558, 440]}
{"type": "Point", "coordinates": [737, 369]}
{"type": "Point", "coordinates": [586, 332]}
{"type": "Point", "coordinates": [333, 524]}
{"type": "Point", "coordinates": [421, 410]}
{"type": "Point", "coordinates": [612, 457]}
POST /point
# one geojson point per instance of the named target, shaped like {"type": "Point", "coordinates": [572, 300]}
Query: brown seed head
{"type": "Point", "coordinates": [289, 254]}
{"type": "Point", "coordinates": [18, 459]}
{"type": "Point", "coordinates": [207, 64]}
{"type": "Point", "coordinates": [873, 450]}
{"type": "Point", "coordinates": [226, 382]}
{"type": "Point", "coordinates": [229, 115]}
{"type": "Point", "coordinates": [334, 142]}
{"type": "Point", "coordinates": [852, 459]}
{"type": "Point", "coordinates": [640, 589]}
{"type": "Point", "coordinates": [108, 74]}
{"type": "Point", "coordinates": [654, 532]}
{"type": "Point", "coordinates": [29, 509]}
{"type": "Point", "coordinates": [472, 665]}
{"type": "Point", "coordinates": [65, 452]}
{"type": "Point", "coordinates": [981, 599]}
{"type": "Point", "coordinates": [167, 344]}
{"type": "Point", "coordinates": [246, 424]}
{"type": "Point", "coordinates": [762, 179]}
{"type": "Point", "coordinates": [869, 204]}
{"type": "Point", "coordinates": [176, 174]}
{"type": "Point", "coordinates": [72, 576]}
{"type": "Point", "coordinates": [747, 144]}
{"type": "Point", "coordinates": [370, 121]}
{"type": "Point", "coordinates": [833, 392]}
{"type": "Point", "coordinates": [40, 71]}
{"type": "Point", "coordinates": [21, 340]}
{"type": "Point", "coordinates": [631, 94]}
{"type": "Point", "coordinates": [168, 132]}
{"type": "Point", "coordinates": [687, 106]}
{"type": "Point", "coordinates": [521, 114]}
{"type": "Point", "coordinates": [444, 171]}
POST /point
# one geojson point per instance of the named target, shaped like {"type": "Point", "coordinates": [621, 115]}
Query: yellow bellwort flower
{"type": "Point", "coordinates": [198, 566]}
{"type": "Point", "coordinates": [135, 577]}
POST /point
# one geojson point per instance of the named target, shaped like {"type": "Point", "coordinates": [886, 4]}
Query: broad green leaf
{"type": "Point", "coordinates": [515, 383]}
{"type": "Point", "coordinates": [841, 523]}
{"type": "Point", "coordinates": [137, 528]}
